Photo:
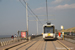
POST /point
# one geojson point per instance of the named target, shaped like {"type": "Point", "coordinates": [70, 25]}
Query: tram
{"type": "Point", "coordinates": [48, 31]}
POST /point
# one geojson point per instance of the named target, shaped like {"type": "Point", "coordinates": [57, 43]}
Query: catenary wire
{"type": "Point", "coordinates": [25, 7]}
{"type": "Point", "coordinates": [33, 12]}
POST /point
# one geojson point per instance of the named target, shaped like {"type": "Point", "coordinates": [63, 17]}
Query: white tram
{"type": "Point", "coordinates": [48, 31]}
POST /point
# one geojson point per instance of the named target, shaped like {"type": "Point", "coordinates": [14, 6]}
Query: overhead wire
{"type": "Point", "coordinates": [30, 9]}
{"type": "Point", "coordinates": [25, 7]}
{"type": "Point", "coordinates": [33, 12]}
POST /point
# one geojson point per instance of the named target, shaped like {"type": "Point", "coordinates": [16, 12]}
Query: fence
{"type": "Point", "coordinates": [6, 41]}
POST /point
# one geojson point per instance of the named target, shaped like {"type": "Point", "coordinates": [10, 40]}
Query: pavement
{"type": "Point", "coordinates": [13, 44]}
{"type": "Point", "coordinates": [39, 44]}
{"type": "Point", "coordinates": [68, 44]}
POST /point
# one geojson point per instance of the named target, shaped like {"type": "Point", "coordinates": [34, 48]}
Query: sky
{"type": "Point", "coordinates": [13, 15]}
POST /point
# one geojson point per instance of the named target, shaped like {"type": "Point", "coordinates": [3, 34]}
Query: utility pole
{"type": "Point", "coordinates": [27, 19]}
{"type": "Point", "coordinates": [46, 10]}
{"type": "Point", "coordinates": [37, 25]}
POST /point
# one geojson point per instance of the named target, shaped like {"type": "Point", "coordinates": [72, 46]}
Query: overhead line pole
{"type": "Point", "coordinates": [27, 19]}
{"type": "Point", "coordinates": [25, 6]}
{"type": "Point", "coordinates": [27, 15]}
{"type": "Point", "coordinates": [46, 10]}
{"type": "Point", "coordinates": [33, 12]}
{"type": "Point", "coordinates": [37, 25]}
{"type": "Point", "coordinates": [35, 15]}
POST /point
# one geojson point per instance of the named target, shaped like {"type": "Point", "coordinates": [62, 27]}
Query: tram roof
{"type": "Point", "coordinates": [48, 25]}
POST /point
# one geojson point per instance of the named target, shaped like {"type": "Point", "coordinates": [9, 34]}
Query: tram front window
{"type": "Point", "coordinates": [48, 29]}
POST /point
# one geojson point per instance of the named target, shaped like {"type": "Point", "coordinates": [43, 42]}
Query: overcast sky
{"type": "Point", "coordinates": [13, 15]}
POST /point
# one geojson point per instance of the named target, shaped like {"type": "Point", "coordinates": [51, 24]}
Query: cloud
{"type": "Point", "coordinates": [40, 9]}
{"type": "Point", "coordinates": [59, 7]}
{"type": "Point", "coordinates": [66, 6]}
{"type": "Point", "coordinates": [57, 1]}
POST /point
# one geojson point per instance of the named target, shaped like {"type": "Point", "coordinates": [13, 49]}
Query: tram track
{"type": "Point", "coordinates": [26, 43]}
{"type": "Point", "coordinates": [50, 45]}
{"type": "Point", "coordinates": [31, 45]}
{"type": "Point", "coordinates": [42, 46]}
{"type": "Point", "coordinates": [39, 44]}
{"type": "Point", "coordinates": [45, 45]}
{"type": "Point", "coordinates": [58, 46]}
{"type": "Point", "coordinates": [15, 45]}
{"type": "Point", "coordinates": [54, 45]}
{"type": "Point", "coordinates": [23, 45]}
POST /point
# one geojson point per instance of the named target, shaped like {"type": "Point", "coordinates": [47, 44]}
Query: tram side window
{"type": "Point", "coordinates": [48, 29]}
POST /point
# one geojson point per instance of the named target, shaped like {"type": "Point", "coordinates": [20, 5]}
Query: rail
{"type": "Point", "coordinates": [37, 44]}
{"type": "Point", "coordinates": [23, 45]}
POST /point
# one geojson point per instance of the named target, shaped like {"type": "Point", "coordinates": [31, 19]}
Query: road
{"type": "Point", "coordinates": [39, 44]}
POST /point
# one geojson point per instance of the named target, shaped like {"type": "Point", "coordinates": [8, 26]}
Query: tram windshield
{"type": "Point", "coordinates": [48, 29]}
